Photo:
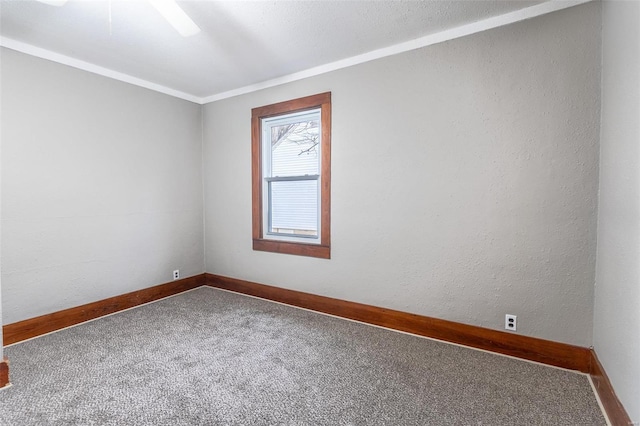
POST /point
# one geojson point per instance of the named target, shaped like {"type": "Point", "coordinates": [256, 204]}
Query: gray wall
{"type": "Point", "coordinates": [464, 180]}
{"type": "Point", "coordinates": [101, 187]}
{"type": "Point", "coordinates": [617, 295]}
{"type": "Point", "coordinates": [1, 336]}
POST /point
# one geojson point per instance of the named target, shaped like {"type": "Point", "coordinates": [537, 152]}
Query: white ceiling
{"type": "Point", "coordinates": [243, 44]}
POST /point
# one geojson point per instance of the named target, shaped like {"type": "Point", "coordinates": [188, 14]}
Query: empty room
{"type": "Point", "coordinates": [320, 212]}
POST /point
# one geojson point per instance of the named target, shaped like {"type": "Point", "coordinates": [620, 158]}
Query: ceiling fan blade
{"type": "Point", "coordinates": [169, 9]}
{"type": "Point", "coordinates": [176, 17]}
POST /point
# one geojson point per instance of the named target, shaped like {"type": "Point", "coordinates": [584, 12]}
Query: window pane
{"type": "Point", "coordinates": [294, 207]}
{"type": "Point", "coordinates": [291, 176]}
{"type": "Point", "coordinates": [295, 149]}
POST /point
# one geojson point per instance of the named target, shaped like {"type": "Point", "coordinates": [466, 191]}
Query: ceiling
{"type": "Point", "coordinates": [242, 44]}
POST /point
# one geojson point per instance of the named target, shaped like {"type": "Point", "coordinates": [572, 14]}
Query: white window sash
{"type": "Point", "coordinates": [267, 179]}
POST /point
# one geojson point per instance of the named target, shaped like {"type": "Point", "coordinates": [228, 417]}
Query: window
{"type": "Point", "coordinates": [291, 176]}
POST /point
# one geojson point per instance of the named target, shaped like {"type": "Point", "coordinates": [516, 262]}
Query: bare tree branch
{"type": "Point", "coordinates": [298, 133]}
{"type": "Point", "coordinates": [311, 148]}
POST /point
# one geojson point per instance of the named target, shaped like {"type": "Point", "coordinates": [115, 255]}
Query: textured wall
{"type": "Point", "coordinates": [464, 180]}
{"type": "Point", "coordinates": [101, 187]}
{"type": "Point", "coordinates": [1, 338]}
{"type": "Point", "coordinates": [617, 297]}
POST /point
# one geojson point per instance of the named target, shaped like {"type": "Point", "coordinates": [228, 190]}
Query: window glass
{"type": "Point", "coordinates": [291, 176]}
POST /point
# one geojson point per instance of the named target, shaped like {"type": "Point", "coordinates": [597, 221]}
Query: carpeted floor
{"type": "Point", "coordinates": [209, 357]}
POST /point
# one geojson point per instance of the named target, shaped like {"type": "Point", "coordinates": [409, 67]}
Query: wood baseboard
{"type": "Point", "coordinates": [37, 326]}
{"type": "Point", "coordinates": [617, 414]}
{"type": "Point", "coordinates": [530, 348]}
{"type": "Point", "coordinates": [4, 372]}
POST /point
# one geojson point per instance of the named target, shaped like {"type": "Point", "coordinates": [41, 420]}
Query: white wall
{"type": "Point", "coordinates": [101, 187]}
{"type": "Point", "coordinates": [464, 180]}
{"type": "Point", "coordinates": [617, 295]}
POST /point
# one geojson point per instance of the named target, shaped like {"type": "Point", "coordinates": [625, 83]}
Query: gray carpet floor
{"type": "Point", "coordinates": [210, 357]}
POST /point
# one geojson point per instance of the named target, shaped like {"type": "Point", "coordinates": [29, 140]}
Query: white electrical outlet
{"type": "Point", "coordinates": [510, 322]}
{"type": "Point", "coordinates": [176, 274]}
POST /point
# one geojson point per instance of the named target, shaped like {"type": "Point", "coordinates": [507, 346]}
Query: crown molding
{"type": "Point", "coordinates": [431, 39]}
{"type": "Point", "coordinates": [95, 69]}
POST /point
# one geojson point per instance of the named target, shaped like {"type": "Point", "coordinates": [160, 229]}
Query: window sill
{"type": "Point", "coordinates": [299, 249]}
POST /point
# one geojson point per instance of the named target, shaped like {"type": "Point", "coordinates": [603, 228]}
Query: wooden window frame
{"type": "Point", "coordinates": [322, 250]}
